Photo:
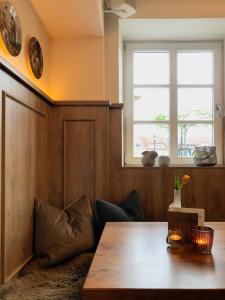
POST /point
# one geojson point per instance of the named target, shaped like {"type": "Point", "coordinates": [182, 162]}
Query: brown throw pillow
{"type": "Point", "coordinates": [60, 234]}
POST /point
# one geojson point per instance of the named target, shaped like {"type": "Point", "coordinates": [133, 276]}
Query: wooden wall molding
{"type": "Point", "coordinates": [59, 183]}
{"type": "Point", "coordinates": [76, 177]}
{"type": "Point", "coordinates": [2, 187]}
{"type": "Point", "coordinates": [24, 120]}
{"type": "Point", "coordinates": [12, 72]}
{"type": "Point", "coordinates": [8, 254]}
{"type": "Point", "coordinates": [10, 97]}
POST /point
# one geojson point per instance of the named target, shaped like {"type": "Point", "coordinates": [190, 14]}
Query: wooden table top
{"type": "Point", "coordinates": [134, 256]}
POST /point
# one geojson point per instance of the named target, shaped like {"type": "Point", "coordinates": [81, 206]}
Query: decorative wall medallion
{"type": "Point", "coordinates": [10, 28]}
{"type": "Point", "coordinates": [36, 57]}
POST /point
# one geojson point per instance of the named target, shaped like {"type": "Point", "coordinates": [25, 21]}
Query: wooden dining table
{"type": "Point", "coordinates": [133, 262]}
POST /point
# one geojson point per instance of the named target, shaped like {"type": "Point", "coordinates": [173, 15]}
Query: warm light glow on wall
{"type": "Point", "coordinates": [31, 26]}
{"type": "Point", "coordinates": [3, 49]}
{"type": "Point", "coordinates": [79, 74]}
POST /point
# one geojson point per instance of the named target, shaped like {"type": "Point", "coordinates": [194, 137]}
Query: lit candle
{"type": "Point", "coordinates": [201, 242]}
{"type": "Point", "coordinates": [175, 237]}
{"type": "Point", "coordinates": [202, 239]}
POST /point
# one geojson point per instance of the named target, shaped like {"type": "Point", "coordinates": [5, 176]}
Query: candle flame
{"type": "Point", "coordinates": [175, 237]}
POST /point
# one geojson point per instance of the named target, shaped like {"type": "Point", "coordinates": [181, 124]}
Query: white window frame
{"type": "Point", "coordinates": [173, 47]}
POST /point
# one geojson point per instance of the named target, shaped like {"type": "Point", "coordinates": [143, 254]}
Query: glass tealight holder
{"type": "Point", "coordinates": [202, 239]}
{"type": "Point", "coordinates": [175, 238]}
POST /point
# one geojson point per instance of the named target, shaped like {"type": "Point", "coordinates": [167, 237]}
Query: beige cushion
{"type": "Point", "coordinates": [62, 233]}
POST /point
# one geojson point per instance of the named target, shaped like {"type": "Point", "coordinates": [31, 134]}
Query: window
{"type": "Point", "coordinates": [173, 99]}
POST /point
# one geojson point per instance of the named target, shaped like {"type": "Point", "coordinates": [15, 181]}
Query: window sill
{"type": "Point", "coordinates": [219, 166]}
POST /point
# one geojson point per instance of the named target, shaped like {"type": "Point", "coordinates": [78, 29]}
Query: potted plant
{"type": "Point", "coordinates": [178, 185]}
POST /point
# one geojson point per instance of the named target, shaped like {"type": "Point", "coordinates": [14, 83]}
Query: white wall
{"type": "Point", "coordinates": [111, 58]}
{"type": "Point", "coordinates": [77, 69]}
{"type": "Point", "coordinates": [73, 69]}
{"type": "Point", "coordinates": [88, 68]}
{"type": "Point", "coordinates": [31, 26]}
{"type": "Point", "coordinates": [147, 9]}
{"type": "Point", "coordinates": [166, 9]}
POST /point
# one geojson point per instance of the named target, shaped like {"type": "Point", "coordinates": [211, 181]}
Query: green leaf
{"type": "Point", "coordinates": [178, 183]}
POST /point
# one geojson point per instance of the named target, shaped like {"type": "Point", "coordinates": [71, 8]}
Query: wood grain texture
{"type": "Point", "coordinates": [132, 262]}
{"type": "Point", "coordinates": [19, 184]}
{"type": "Point", "coordinates": [24, 171]}
{"type": "Point", "coordinates": [79, 160]}
{"type": "Point", "coordinates": [155, 185]}
{"type": "Point", "coordinates": [21, 172]}
{"type": "Point", "coordinates": [153, 295]}
{"type": "Point", "coordinates": [61, 160]}
{"type": "Point", "coordinates": [2, 186]}
{"type": "Point", "coordinates": [82, 103]}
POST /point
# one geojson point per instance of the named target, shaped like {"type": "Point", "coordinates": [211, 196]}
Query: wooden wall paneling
{"type": "Point", "coordinates": [24, 95]}
{"type": "Point", "coordinates": [79, 159]}
{"type": "Point", "coordinates": [60, 190]}
{"type": "Point", "coordinates": [19, 185]}
{"type": "Point", "coordinates": [2, 193]}
{"type": "Point", "coordinates": [102, 144]}
{"type": "Point", "coordinates": [207, 190]}
{"type": "Point", "coordinates": [55, 158]}
{"type": "Point", "coordinates": [223, 137]}
{"type": "Point", "coordinates": [24, 81]}
{"type": "Point", "coordinates": [155, 185]}
{"type": "Point", "coordinates": [42, 156]}
{"type": "Point", "coordinates": [23, 177]}
{"type": "Point", "coordinates": [21, 182]}
{"type": "Point", "coordinates": [115, 138]}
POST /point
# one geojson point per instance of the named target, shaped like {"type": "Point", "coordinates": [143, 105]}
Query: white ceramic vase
{"type": "Point", "coordinates": [148, 158]}
{"type": "Point", "coordinates": [164, 161]}
{"type": "Point", "coordinates": [177, 198]}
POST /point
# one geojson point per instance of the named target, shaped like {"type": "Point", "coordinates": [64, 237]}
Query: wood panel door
{"type": "Point", "coordinates": [79, 156]}
{"type": "Point", "coordinates": [22, 159]}
{"type": "Point", "coordinates": [78, 153]}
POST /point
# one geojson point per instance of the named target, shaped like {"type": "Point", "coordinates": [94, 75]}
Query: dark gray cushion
{"type": "Point", "coordinates": [132, 207]}
{"type": "Point", "coordinates": [127, 211]}
{"type": "Point", "coordinates": [108, 212]}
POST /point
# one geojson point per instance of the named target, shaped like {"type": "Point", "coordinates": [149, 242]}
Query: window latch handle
{"type": "Point", "coordinates": [219, 110]}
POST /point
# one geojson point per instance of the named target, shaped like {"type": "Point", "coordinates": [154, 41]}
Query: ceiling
{"type": "Point", "coordinates": [71, 18]}
{"type": "Point", "coordinates": [172, 29]}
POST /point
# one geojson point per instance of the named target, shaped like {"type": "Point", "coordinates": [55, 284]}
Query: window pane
{"type": "Point", "coordinates": [191, 135]}
{"type": "Point", "coordinates": [151, 137]}
{"type": "Point", "coordinates": [151, 104]}
{"type": "Point", "coordinates": [195, 103]}
{"type": "Point", "coordinates": [151, 68]}
{"type": "Point", "coordinates": [195, 68]}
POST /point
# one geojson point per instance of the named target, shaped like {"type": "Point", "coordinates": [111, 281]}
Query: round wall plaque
{"type": "Point", "coordinates": [36, 57]}
{"type": "Point", "coordinates": [10, 28]}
